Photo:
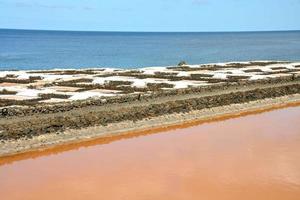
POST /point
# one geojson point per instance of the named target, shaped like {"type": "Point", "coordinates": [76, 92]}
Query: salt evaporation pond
{"type": "Point", "coordinates": [251, 157]}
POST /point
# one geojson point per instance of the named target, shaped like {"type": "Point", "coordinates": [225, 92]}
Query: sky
{"type": "Point", "coordinates": [151, 15]}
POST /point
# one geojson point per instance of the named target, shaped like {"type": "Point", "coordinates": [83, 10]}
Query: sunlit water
{"type": "Point", "coordinates": [251, 157]}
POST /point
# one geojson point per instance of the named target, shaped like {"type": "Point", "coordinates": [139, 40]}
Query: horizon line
{"type": "Point", "coordinates": [107, 31]}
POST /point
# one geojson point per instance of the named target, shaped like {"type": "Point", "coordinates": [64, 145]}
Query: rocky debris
{"type": "Point", "coordinates": [7, 92]}
{"type": "Point", "coordinates": [14, 80]}
{"type": "Point", "coordinates": [182, 63]}
{"type": "Point", "coordinates": [29, 84]}
{"type": "Point", "coordinates": [31, 107]}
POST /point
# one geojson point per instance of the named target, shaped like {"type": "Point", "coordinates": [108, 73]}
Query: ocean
{"type": "Point", "coordinates": [30, 49]}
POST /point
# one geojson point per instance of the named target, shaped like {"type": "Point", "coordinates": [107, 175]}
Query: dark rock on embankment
{"type": "Point", "coordinates": [32, 107]}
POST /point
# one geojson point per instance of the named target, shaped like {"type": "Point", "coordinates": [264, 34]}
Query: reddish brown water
{"type": "Point", "coordinates": [252, 157]}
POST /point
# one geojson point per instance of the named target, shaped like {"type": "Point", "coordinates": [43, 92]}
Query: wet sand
{"type": "Point", "coordinates": [251, 157]}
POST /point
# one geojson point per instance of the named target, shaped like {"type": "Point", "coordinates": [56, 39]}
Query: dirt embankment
{"type": "Point", "coordinates": [98, 112]}
{"type": "Point", "coordinates": [175, 94]}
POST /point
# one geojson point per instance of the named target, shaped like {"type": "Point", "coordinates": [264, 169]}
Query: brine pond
{"type": "Point", "coordinates": [255, 156]}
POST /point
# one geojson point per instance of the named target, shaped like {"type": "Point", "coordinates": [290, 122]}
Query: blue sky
{"type": "Point", "coordinates": [151, 15]}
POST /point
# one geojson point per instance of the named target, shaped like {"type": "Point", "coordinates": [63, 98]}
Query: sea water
{"type": "Point", "coordinates": [28, 49]}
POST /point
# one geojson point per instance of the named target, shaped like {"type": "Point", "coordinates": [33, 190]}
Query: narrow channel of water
{"type": "Point", "coordinates": [251, 157]}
